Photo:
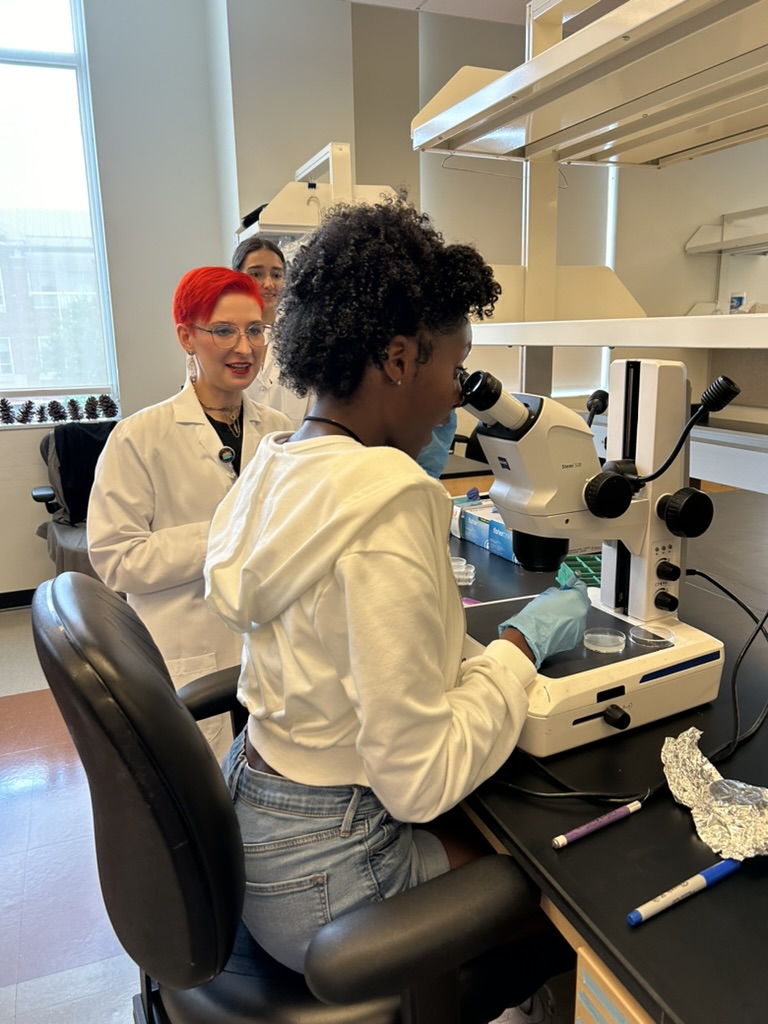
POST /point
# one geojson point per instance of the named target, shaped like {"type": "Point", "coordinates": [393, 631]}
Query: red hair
{"type": "Point", "coordinates": [199, 290]}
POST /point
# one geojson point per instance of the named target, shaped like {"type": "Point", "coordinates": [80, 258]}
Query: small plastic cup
{"type": "Point", "coordinates": [604, 640]}
{"type": "Point", "coordinates": [465, 576]}
{"type": "Point", "coordinates": [653, 637]}
{"type": "Point", "coordinates": [457, 564]}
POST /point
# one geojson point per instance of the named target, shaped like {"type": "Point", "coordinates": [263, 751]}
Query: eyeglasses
{"type": "Point", "coordinates": [227, 335]}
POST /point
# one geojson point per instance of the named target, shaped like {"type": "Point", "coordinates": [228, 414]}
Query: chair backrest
{"type": "Point", "coordinates": [168, 845]}
{"type": "Point", "coordinates": [71, 461]}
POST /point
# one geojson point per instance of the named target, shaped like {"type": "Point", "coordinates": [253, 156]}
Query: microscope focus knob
{"type": "Point", "coordinates": [666, 570]}
{"type": "Point", "coordinates": [687, 512]}
{"type": "Point", "coordinates": [666, 602]}
{"type": "Point", "coordinates": [608, 495]}
{"type": "Point", "coordinates": [616, 717]}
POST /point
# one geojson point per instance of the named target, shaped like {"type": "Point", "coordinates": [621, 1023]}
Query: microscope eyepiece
{"type": "Point", "coordinates": [483, 395]}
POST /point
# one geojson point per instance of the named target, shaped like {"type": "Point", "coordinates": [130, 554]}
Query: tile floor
{"type": "Point", "coordinates": [60, 962]}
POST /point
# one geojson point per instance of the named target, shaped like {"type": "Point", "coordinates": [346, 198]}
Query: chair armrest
{"type": "Point", "coordinates": [386, 947]}
{"type": "Point", "coordinates": [47, 494]}
{"type": "Point", "coordinates": [214, 694]}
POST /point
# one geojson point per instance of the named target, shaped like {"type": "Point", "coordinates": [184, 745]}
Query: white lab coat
{"type": "Point", "coordinates": [268, 391]}
{"type": "Point", "coordinates": [158, 482]}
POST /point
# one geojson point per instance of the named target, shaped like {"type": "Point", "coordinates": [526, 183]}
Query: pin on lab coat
{"type": "Point", "coordinates": [158, 482]}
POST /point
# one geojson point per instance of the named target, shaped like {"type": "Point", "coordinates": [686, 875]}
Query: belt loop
{"type": "Point", "coordinates": [240, 764]}
{"type": "Point", "coordinates": [349, 817]}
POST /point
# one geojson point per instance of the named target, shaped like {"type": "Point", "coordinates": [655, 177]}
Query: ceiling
{"type": "Point", "coordinates": [512, 11]}
{"type": "Point", "coordinates": [509, 11]}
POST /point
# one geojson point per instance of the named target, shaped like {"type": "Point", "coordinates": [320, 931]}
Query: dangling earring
{"type": "Point", "coordinates": [191, 368]}
{"type": "Point", "coordinates": [397, 383]}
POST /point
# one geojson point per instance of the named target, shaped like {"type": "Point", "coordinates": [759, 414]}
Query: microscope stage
{"type": "Point", "coordinates": [580, 696]}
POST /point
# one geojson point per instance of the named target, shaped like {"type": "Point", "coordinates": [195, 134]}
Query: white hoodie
{"type": "Point", "coordinates": [332, 559]}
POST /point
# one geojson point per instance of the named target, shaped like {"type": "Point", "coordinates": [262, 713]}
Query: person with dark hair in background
{"type": "Point", "coordinates": [166, 468]}
{"type": "Point", "coordinates": [331, 557]}
{"type": "Point", "coordinates": [264, 261]}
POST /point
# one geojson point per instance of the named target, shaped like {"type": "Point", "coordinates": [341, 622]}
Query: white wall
{"type": "Point", "coordinates": [470, 200]}
{"type": "Point", "coordinates": [658, 211]}
{"type": "Point", "coordinates": [292, 88]}
{"type": "Point", "coordinates": [385, 39]}
{"type": "Point", "coordinates": [154, 119]}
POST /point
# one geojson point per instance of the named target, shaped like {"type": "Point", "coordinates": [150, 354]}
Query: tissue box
{"type": "Point", "coordinates": [475, 524]}
{"type": "Point", "coordinates": [470, 521]}
{"type": "Point", "coordinates": [500, 538]}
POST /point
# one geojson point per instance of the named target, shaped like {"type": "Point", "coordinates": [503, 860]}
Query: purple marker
{"type": "Point", "coordinates": [597, 823]}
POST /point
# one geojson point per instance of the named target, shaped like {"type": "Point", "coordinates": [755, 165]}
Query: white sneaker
{"type": "Point", "coordinates": [539, 1009]}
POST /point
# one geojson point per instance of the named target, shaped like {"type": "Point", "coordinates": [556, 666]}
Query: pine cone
{"type": "Point", "coordinates": [7, 414]}
{"type": "Point", "coordinates": [41, 414]}
{"type": "Point", "coordinates": [56, 411]}
{"type": "Point", "coordinates": [108, 406]}
{"type": "Point", "coordinates": [91, 408]}
{"type": "Point", "coordinates": [25, 412]}
{"type": "Point", "coordinates": [74, 410]}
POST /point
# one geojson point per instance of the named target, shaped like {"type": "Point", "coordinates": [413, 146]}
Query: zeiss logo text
{"type": "Point", "coordinates": [503, 462]}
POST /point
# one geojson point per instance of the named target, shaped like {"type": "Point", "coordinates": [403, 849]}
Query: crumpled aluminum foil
{"type": "Point", "coordinates": [730, 817]}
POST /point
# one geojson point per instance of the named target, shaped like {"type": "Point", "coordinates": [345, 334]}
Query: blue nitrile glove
{"type": "Point", "coordinates": [555, 620]}
{"type": "Point", "coordinates": [433, 456]}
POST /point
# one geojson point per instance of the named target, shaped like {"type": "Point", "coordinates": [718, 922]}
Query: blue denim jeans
{"type": "Point", "coordinates": [313, 853]}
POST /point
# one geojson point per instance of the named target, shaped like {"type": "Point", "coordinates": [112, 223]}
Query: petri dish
{"type": "Point", "coordinates": [604, 640]}
{"type": "Point", "coordinates": [652, 637]}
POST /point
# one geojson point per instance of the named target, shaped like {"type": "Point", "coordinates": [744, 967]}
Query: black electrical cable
{"type": "Point", "coordinates": [567, 792]}
{"type": "Point", "coordinates": [698, 415]}
{"type": "Point", "coordinates": [710, 579]}
{"type": "Point", "coordinates": [724, 752]}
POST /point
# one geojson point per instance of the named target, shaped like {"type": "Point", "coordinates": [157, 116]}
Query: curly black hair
{"type": "Point", "coordinates": [367, 273]}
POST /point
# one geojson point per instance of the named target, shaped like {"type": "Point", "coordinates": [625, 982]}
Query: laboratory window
{"type": "Point", "coordinates": [6, 358]}
{"type": "Point", "coordinates": [54, 290]}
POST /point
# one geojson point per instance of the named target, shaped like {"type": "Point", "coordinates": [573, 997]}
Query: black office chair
{"type": "Point", "coordinates": [70, 452]}
{"type": "Point", "coordinates": [171, 866]}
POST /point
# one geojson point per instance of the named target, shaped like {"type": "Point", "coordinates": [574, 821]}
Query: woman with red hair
{"type": "Point", "coordinates": [165, 469]}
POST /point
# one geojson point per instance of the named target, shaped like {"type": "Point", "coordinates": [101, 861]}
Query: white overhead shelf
{"type": "Point", "coordinates": [738, 330]}
{"type": "Point", "coordinates": [652, 82]}
{"type": "Point", "coordinates": [744, 233]}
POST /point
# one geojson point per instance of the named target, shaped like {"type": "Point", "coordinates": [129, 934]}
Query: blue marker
{"type": "Point", "coordinates": [687, 888]}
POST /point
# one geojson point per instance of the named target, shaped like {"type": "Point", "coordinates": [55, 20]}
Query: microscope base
{"type": "Point", "coordinates": [570, 698]}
